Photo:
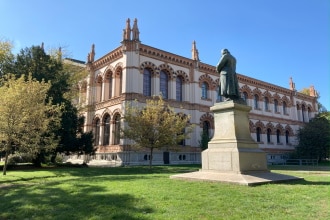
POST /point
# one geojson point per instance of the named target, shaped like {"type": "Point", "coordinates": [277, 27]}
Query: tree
{"type": "Point", "coordinates": [6, 57]}
{"type": "Point", "coordinates": [314, 138]}
{"type": "Point", "coordinates": [155, 126]}
{"type": "Point", "coordinates": [203, 142]}
{"type": "Point", "coordinates": [63, 79]}
{"type": "Point", "coordinates": [25, 117]}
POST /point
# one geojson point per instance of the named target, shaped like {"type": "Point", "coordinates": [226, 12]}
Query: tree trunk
{"type": "Point", "coordinates": [53, 158]}
{"type": "Point", "coordinates": [37, 161]}
{"type": "Point", "coordinates": [5, 165]}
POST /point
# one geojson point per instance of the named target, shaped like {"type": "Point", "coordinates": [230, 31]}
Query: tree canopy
{"type": "Point", "coordinates": [314, 138]}
{"type": "Point", "coordinates": [6, 56]}
{"type": "Point", "coordinates": [155, 125]}
{"type": "Point", "coordinates": [26, 116]}
{"type": "Point", "coordinates": [63, 79]}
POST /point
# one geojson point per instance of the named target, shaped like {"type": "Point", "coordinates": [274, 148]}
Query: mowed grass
{"type": "Point", "coordinates": [140, 193]}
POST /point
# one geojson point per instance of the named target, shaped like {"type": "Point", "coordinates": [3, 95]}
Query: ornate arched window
{"type": "Point", "coordinates": [146, 82]}
{"type": "Point", "coordinates": [178, 87]}
{"type": "Point", "coordinates": [116, 132]}
{"type": "Point", "coordinates": [258, 134]}
{"type": "Point", "coordinates": [256, 101]}
{"type": "Point", "coordinates": [245, 97]}
{"type": "Point", "coordinates": [266, 104]}
{"type": "Point", "coordinates": [164, 84]}
{"type": "Point", "coordinates": [205, 88]}
{"type": "Point", "coordinates": [269, 133]}
{"type": "Point", "coordinates": [275, 105]}
{"type": "Point", "coordinates": [284, 108]}
{"type": "Point", "coordinates": [278, 135]}
{"type": "Point", "coordinates": [206, 128]}
{"type": "Point", "coordinates": [287, 136]}
{"type": "Point", "coordinates": [303, 109]}
{"type": "Point", "coordinates": [106, 130]}
{"type": "Point", "coordinates": [97, 132]}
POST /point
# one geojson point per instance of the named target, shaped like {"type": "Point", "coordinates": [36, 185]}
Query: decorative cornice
{"type": "Point", "coordinates": [164, 56]}
{"type": "Point", "coordinates": [108, 58]}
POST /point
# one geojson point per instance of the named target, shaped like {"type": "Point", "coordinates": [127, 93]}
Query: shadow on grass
{"type": "Point", "coordinates": [80, 201]}
{"type": "Point", "coordinates": [112, 173]}
{"type": "Point", "coordinates": [305, 182]}
{"type": "Point", "coordinates": [126, 170]}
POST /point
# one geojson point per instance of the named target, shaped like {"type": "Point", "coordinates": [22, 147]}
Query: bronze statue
{"type": "Point", "coordinates": [228, 83]}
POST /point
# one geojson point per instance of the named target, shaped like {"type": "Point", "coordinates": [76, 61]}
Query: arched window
{"type": "Point", "coordinates": [309, 113]}
{"type": "Point", "coordinates": [178, 87]}
{"type": "Point", "coordinates": [275, 106]}
{"type": "Point", "coordinates": [269, 133]}
{"type": "Point", "coordinates": [266, 104]}
{"type": "Point", "coordinates": [110, 87]}
{"type": "Point", "coordinates": [284, 108]}
{"type": "Point", "coordinates": [121, 83]}
{"type": "Point", "coordinates": [278, 135]}
{"type": "Point", "coordinates": [286, 136]}
{"type": "Point", "coordinates": [205, 88]}
{"type": "Point", "coordinates": [303, 112]}
{"type": "Point", "coordinates": [116, 132]}
{"type": "Point", "coordinates": [97, 132]}
{"type": "Point", "coordinates": [99, 89]}
{"type": "Point", "coordinates": [106, 130]}
{"type": "Point", "coordinates": [146, 82]}
{"type": "Point", "coordinates": [256, 101]}
{"type": "Point", "coordinates": [206, 128]}
{"type": "Point", "coordinates": [258, 134]}
{"type": "Point", "coordinates": [164, 84]}
{"type": "Point", "coordinates": [245, 97]}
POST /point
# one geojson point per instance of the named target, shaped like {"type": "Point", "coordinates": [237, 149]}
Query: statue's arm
{"type": "Point", "coordinates": [221, 63]}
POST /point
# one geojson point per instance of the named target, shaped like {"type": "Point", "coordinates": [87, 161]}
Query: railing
{"type": "Point", "coordinates": [300, 162]}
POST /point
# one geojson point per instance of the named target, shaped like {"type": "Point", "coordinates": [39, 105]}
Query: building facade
{"type": "Point", "coordinates": [135, 71]}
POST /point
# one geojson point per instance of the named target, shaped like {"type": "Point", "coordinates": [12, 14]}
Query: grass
{"type": "Point", "coordinates": [139, 193]}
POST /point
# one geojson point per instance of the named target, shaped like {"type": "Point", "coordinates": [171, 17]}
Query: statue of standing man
{"type": "Point", "coordinates": [228, 83]}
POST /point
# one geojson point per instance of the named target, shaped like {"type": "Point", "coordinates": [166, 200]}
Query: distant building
{"type": "Point", "coordinates": [135, 71]}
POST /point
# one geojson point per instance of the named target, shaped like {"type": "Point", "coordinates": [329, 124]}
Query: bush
{"type": "Point", "coordinates": [20, 158]}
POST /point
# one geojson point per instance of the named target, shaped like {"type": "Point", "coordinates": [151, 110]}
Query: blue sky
{"type": "Point", "coordinates": [272, 40]}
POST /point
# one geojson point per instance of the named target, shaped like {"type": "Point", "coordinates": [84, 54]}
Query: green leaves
{"type": "Point", "coordinates": [25, 115]}
{"type": "Point", "coordinates": [155, 125]}
{"type": "Point", "coordinates": [314, 138]}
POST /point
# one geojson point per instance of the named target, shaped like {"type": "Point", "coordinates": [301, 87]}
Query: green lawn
{"type": "Point", "coordinates": [138, 193]}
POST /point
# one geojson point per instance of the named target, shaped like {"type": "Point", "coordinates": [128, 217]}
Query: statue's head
{"type": "Point", "coordinates": [224, 51]}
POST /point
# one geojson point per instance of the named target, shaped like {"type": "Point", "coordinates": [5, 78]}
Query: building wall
{"type": "Point", "coordinates": [116, 80]}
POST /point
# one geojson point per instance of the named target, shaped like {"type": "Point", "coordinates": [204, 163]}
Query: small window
{"type": "Point", "coordinates": [278, 134]}
{"type": "Point", "coordinates": [106, 131]}
{"type": "Point", "coordinates": [269, 133]}
{"type": "Point", "coordinates": [97, 132]}
{"type": "Point", "coordinates": [146, 82]}
{"type": "Point", "coordinates": [275, 105]}
{"type": "Point", "coordinates": [256, 102]}
{"type": "Point", "coordinates": [287, 137]}
{"type": "Point", "coordinates": [284, 108]}
{"type": "Point", "coordinates": [266, 104]}
{"type": "Point", "coordinates": [178, 87]}
{"type": "Point", "coordinates": [205, 89]}
{"type": "Point", "coordinates": [258, 134]}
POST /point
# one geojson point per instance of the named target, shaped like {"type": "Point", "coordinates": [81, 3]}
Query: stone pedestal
{"type": "Point", "coordinates": [232, 155]}
{"type": "Point", "coordinates": [232, 149]}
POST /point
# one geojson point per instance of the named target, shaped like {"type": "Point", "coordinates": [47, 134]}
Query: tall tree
{"type": "Point", "coordinates": [155, 126]}
{"type": "Point", "coordinates": [6, 56]}
{"type": "Point", "coordinates": [25, 117]}
{"type": "Point", "coordinates": [314, 138]}
{"type": "Point", "coordinates": [63, 79]}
